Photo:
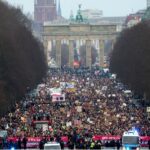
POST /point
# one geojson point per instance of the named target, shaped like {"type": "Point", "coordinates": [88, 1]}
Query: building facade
{"type": "Point", "coordinates": [45, 10]}
{"type": "Point", "coordinates": [135, 18]}
{"type": "Point", "coordinates": [92, 13]}
{"type": "Point", "coordinates": [148, 3]}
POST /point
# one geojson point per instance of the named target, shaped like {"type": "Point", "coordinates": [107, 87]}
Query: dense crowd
{"type": "Point", "coordinates": [97, 105]}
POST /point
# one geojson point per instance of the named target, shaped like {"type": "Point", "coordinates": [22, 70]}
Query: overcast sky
{"type": "Point", "coordinates": [109, 7]}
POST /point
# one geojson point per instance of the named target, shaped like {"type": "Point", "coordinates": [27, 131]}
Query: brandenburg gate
{"type": "Point", "coordinates": [81, 31]}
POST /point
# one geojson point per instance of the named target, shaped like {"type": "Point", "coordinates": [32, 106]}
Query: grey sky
{"type": "Point", "coordinates": [109, 7]}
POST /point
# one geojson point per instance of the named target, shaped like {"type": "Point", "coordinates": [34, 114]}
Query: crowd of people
{"type": "Point", "coordinates": [96, 105]}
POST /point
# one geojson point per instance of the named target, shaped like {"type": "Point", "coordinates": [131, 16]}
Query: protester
{"type": "Point", "coordinates": [19, 143]}
{"type": "Point", "coordinates": [41, 144]}
{"type": "Point", "coordinates": [149, 144]}
{"type": "Point", "coordinates": [118, 145]}
{"type": "Point", "coordinates": [24, 141]}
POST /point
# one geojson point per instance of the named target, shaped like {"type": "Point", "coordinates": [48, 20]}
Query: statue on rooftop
{"type": "Point", "coordinates": [79, 17]}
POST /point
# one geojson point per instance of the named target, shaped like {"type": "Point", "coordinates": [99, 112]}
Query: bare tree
{"type": "Point", "coordinates": [22, 59]}
{"type": "Point", "coordinates": [130, 58]}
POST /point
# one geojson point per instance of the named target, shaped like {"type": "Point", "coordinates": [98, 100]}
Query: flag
{"type": "Point", "coordinates": [76, 64]}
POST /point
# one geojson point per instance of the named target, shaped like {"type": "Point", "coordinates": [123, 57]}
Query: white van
{"type": "Point", "coordinates": [52, 145]}
{"type": "Point", "coordinates": [130, 140]}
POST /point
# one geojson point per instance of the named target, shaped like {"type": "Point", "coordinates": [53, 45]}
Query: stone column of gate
{"type": "Point", "coordinates": [71, 53]}
{"type": "Point", "coordinates": [113, 43]}
{"type": "Point", "coordinates": [48, 50]}
{"type": "Point", "coordinates": [58, 53]}
{"type": "Point", "coordinates": [101, 52]}
{"type": "Point", "coordinates": [88, 53]}
{"type": "Point", "coordinates": [45, 44]}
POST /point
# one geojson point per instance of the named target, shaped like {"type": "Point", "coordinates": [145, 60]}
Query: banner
{"type": "Point", "coordinates": [33, 142]}
{"type": "Point", "coordinates": [96, 137]}
{"type": "Point", "coordinates": [45, 127]}
{"type": "Point", "coordinates": [71, 90]}
{"type": "Point", "coordinates": [55, 91]}
{"type": "Point", "coordinates": [143, 139]}
{"type": "Point", "coordinates": [58, 98]}
{"type": "Point", "coordinates": [68, 124]}
{"type": "Point", "coordinates": [3, 133]}
{"type": "Point", "coordinates": [79, 108]}
{"type": "Point", "coordinates": [62, 85]}
{"type": "Point", "coordinates": [42, 124]}
{"type": "Point", "coordinates": [70, 87]}
{"type": "Point", "coordinates": [99, 137]}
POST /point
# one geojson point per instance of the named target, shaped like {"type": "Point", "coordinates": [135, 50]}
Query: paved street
{"type": "Point", "coordinates": [116, 149]}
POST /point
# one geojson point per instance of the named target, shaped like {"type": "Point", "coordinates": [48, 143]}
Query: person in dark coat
{"type": "Point", "coordinates": [149, 144]}
{"type": "Point", "coordinates": [1, 143]}
{"type": "Point", "coordinates": [41, 144]}
{"type": "Point", "coordinates": [19, 143]}
{"type": "Point", "coordinates": [98, 145]}
{"type": "Point", "coordinates": [70, 145]}
{"type": "Point", "coordinates": [118, 145]}
{"type": "Point", "coordinates": [24, 141]}
{"type": "Point", "coordinates": [62, 144]}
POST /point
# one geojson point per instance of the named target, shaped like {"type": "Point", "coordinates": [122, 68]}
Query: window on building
{"type": "Point", "coordinates": [35, 2]}
{"type": "Point", "coordinates": [49, 1]}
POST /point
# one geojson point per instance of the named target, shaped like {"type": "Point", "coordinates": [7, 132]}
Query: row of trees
{"type": "Point", "coordinates": [130, 59]}
{"type": "Point", "coordinates": [22, 59]}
